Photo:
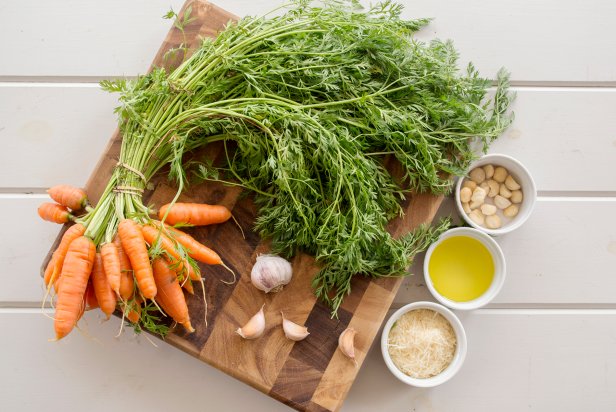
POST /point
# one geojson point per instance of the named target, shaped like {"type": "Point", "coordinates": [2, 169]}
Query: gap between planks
{"type": "Point", "coordinates": [542, 195]}
{"type": "Point", "coordinates": [57, 81]}
{"type": "Point", "coordinates": [93, 81]}
{"type": "Point", "coordinates": [488, 311]}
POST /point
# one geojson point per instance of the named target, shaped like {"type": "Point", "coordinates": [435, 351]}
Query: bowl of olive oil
{"type": "Point", "coordinates": [464, 269]}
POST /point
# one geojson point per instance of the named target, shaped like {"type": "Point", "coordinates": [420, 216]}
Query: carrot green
{"type": "Point", "coordinates": [309, 103]}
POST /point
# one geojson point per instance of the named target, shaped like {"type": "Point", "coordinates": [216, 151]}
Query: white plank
{"type": "Point", "coordinates": [516, 360]}
{"type": "Point", "coordinates": [546, 360]}
{"type": "Point", "coordinates": [81, 38]}
{"type": "Point", "coordinates": [564, 254]}
{"type": "Point", "coordinates": [561, 255]}
{"type": "Point", "coordinates": [553, 127]}
{"type": "Point", "coordinates": [24, 243]}
{"type": "Point", "coordinates": [565, 137]}
{"type": "Point", "coordinates": [543, 41]}
{"type": "Point", "coordinates": [102, 372]}
{"type": "Point", "coordinates": [539, 41]}
{"type": "Point", "coordinates": [52, 133]}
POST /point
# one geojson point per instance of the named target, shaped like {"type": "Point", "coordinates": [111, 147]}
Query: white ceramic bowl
{"type": "Point", "coordinates": [521, 175]}
{"type": "Point", "coordinates": [458, 358]}
{"type": "Point", "coordinates": [500, 269]}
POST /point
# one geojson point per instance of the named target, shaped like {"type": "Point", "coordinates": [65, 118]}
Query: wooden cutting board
{"type": "Point", "coordinates": [310, 375]}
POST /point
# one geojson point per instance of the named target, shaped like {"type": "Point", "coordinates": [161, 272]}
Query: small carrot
{"type": "Point", "coordinates": [75, 274]}
{"type": "Point", "coordinates": [170, 296]}
{"type": "Point", "coordinates": [72, 197]}
{"type": "Point", "coordinates": [112, 266]}
{"type": "Point", "coordinates": [188, 286]}
{"type": "Point", "coordinates": [104, 294]}
{"type": "Point", "coordinates": [127, 281]}
{"type": "Point", "coordinates": [134, 246]}
{"type": "Point", "coordinates": [151, 234]}
{"type": "Point", "coordinates": [55, 213]}
{"type": "Point", "coordinates": [198, 214]}
{"type": "Point", "coordinates": [59, 255]}
{"type": "Point", "coordinates": [91, 302]}
{"type": "Point", "coordinates": [49, 269]}
{"type": "Point", "coordinates": [133, 311]}
{"type": "Point", "coordinates": [195, 249]}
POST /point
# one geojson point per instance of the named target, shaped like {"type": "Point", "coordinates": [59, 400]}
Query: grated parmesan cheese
{"type": "Point", "coordinates": [422, 343]}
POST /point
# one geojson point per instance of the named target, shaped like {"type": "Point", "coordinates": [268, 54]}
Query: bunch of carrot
{"type": "Point", "coordinates": [147, 260]}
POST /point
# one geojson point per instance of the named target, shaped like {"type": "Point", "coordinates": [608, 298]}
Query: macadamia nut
{"type": "Point", "coordinates": [477, 175]}
{"type": "Point", "coordinates": [489, 171]}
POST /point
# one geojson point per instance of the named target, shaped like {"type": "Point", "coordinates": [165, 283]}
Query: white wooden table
{"type": "Point", "coordinates": [547, 343]}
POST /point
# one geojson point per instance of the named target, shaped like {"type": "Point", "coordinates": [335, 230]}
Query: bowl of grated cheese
{"type": "Point", "coordinates": [423, 344]}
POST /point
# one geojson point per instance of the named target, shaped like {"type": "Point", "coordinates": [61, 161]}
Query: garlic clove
{"type": "Point", "coordinates": [477, 217]}
{"type": "Point", "coordinates": [292, 330]}
{"type": "Point", "coordinates": [346, 343]}
{"type": "Point", "coordinates": [477, 175]}
{"type": "Point", "coordinates": [479, 195]}
{"type": "Point", "coordinates": [501, 202]}
{"type": "Point", "coordinates": [516, 196]}
{"type": "Point", "coordinates": [270, 273]}
{"type": "Point", "coordinates": [465, 194]}
{"type": "Point", "coordinates": [470, 184]}
{"type": "Point", "coordinates": [466, 207]}
{"type": "Point", "coordinates": [487, 209]}
{"type": "Point", "coordinates": [494, 188]}
{"type": "Point", "coordinates": [504, 192]}
{"type": "Point", "coordinates": [500, 174]}
{"type": "Point", "coordinates": [493, 222]}
{"type": "Point", "coordinates": [489, 171]}
{"type": "Point", "coordinates": [511, 183]}
{"type": "Point", "coordinates": [475, 205]}
{"type": "Point", "coordinates": [255, 327]}
{"type": "Point", "coordinates": [511, 211]}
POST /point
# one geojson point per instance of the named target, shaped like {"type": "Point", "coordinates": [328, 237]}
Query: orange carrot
{"type": "Point", "coordinates": [91, 302]}
{"type": "Point", "coordinates": [69, 196]}
{"type": "Point", "coordinates": [112, 267]}
{"type": "Point", "coordinates": [127, 282]}
{"type": "Point", "coordinates": [134, 246]}
{"type": "Point", "coordinates": [150, 234]}
{"type": "Point", "coordinates": [49, 269]}
{"type": "Point", "coordinates": [55, 213]}
{"type": "Point", "coordinates": [170, 296]}
{"type": "Point", "coordinates": [104, 294]}
{"type": "Point", "coordinates": [188, 286]}
{"type": "Point", "coordinates": [71, 234]}
{"type": "Point", "coordinates": [198, 214]}
{"type": "Point", "coordinates": [56, 284]}
{"type": "Point", "coordinates": [195, 249]}
{"type": "Point", "coordinates": [75, 274]}
{"type": "Point", "coordinates": [133, 312]}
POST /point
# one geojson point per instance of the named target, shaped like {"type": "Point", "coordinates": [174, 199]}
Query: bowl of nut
{"type": "Point", "coordinates": [497, 196]}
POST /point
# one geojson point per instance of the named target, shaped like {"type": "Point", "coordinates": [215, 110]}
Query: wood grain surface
{"type": "Point", "coordinates": [309, 375]}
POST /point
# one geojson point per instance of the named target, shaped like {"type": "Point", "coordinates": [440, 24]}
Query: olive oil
{"type": "Point", "coordinates": [461, 268]}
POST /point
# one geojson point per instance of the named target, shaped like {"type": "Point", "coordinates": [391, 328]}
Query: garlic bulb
{"type": "Point", "coordinates": [292, 330]}
{"type": "Point", "coordinates": [254, 327]}
{"type": "Point", "coordinates": [346, 344]}
{"type": "Point", "coordinates": [270, 273]}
